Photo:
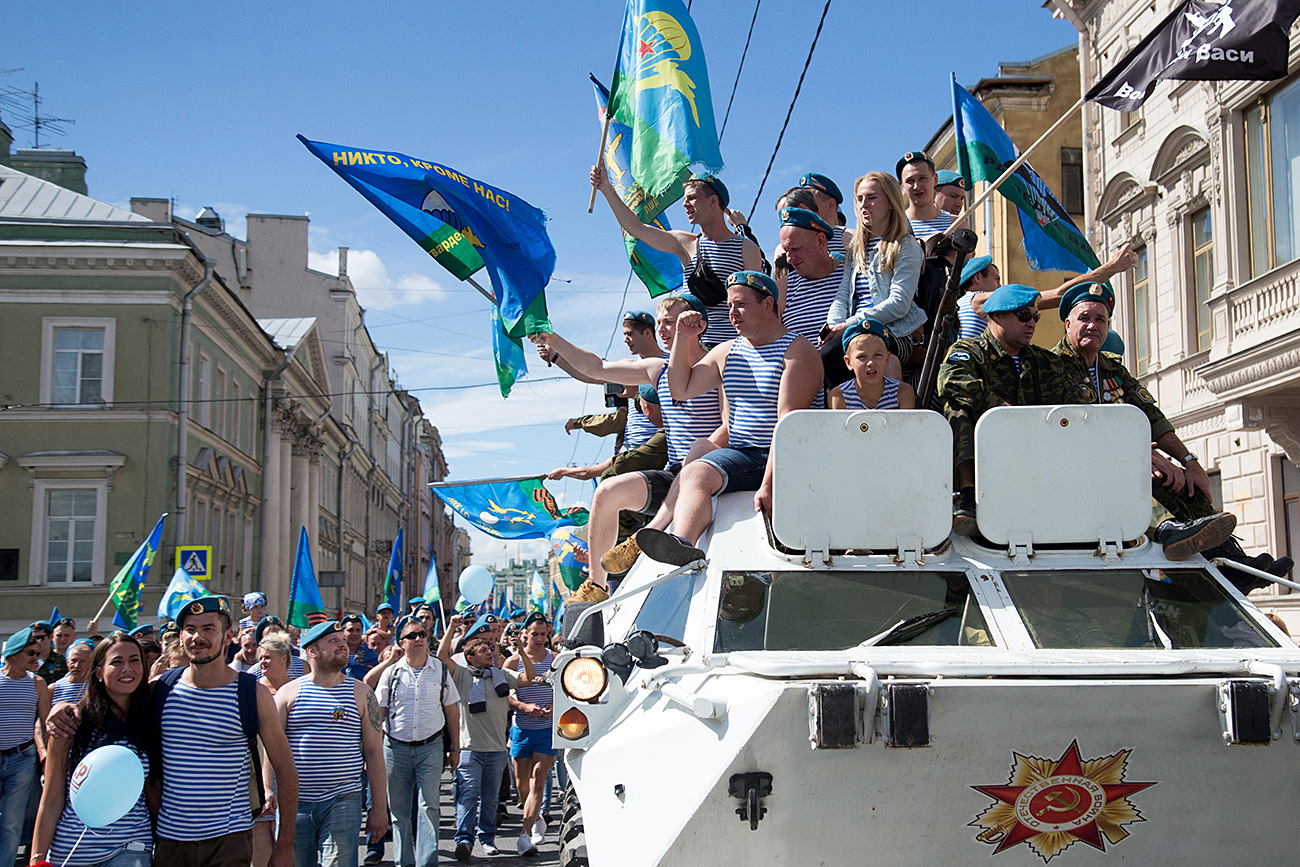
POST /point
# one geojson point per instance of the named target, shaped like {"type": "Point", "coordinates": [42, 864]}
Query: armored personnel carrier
{"type": "Point", "coordinates": [849, 683]}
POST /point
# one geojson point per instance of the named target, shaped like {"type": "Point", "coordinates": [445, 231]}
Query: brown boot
{"type": "Point", "coordinates": [620, 558]}
{"type": "Point", "coordinates": [589, 591]}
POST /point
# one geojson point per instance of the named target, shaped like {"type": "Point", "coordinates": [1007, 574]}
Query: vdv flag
{"type": "Point", "coordinates": [463, 223]}
{"type": "Point", "coordinates": [537, 593]}
{"type": "Point", "coordinates": [1052, 241]}
{"type": "Point", "coordinates": [510, 509]}
{"type": "Point", "coordinates": [660, 91]}
{"type": "Point", "coordinates": [1203, 40]}
{"type": "Point", "coordinates": [181, 590]}
{"type": "Point", "coordinates": [125, 590]}
{"type": "Point", "coordinates": [508, 354]}
{"type": "Point", "coordinates": [306, 608]}
{"type": "Point", "coordinates": [393, 577]}
{"type": "Point", "coordinates": [55, 616]}
{"type": "Point", "coordinates": [565, 546]}
{"type": "Point", "coordinates": [660, 272]}
{"type": "Point", "coordinates": [431, 589]}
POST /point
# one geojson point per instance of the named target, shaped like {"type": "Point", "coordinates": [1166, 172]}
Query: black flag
{"type": "Point", "coordinates": [1203, 40]}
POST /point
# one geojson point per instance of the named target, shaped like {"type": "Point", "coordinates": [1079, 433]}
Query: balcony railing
{"type": "Point", "coordinates": [1257, 311]}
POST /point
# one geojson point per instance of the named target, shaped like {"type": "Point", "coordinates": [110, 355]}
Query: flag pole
{"type": "Point", "coordinates": [486, 294]}
{"type": "Point", "coordinates": [104, 607]}
{"type": "Point", "coordinates": [600, 154]}
{"type": "Point", "coordinates": [485, 481]}
{"type": "Point", "coordinates": [1011, 169]}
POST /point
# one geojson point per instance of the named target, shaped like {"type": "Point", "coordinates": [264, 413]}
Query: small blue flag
{"type": "Point", "coordinates": [306, 608]}
{"type": "Point", "coordinates": [126, 586]}
{"type": "Point", "coordinates": [431, 589]}
{"type": "Point", "coordinates": [515, 509]}
{"type": "Point", "coordinates": [393, 578]}
{"type": "Point", "coordinates": [181, 590]}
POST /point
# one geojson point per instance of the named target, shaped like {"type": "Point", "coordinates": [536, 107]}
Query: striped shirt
{"type": "Point", "coordinates": [808, 301]}
{"type": "Point", "coordinates": [751, 380]}
{"type": "Point", "coordinates": [687, 421]}
{"type": "Point", "coordinates": [725, 258]}
{"type": "Point", "coordinates": [863, 298]}
{"type": "Point", "coordinates": [66, 690]}
{"type": "Point", "coordinates": [101, 844]}
{"type": "Point", "coordinates": [853, 400]}
{"type": "Point", "coordinates": [538, 693]}
{"type": "Point", "coordinates": [324, 732]}
{"type": "Point", "coordinates": [17, 709]}
{"type": "Point", "coordinates": [836, 242]}
{"type": "Point", "coordinates": [925, 228]}
{"type": "Point", "coordinates": [205, 764]}
{"type": "Point", "coordinates": [638, 429]}
{"type": "Point", "coordinates": [971, 323]}
{"type": "Point", "coordinates": [295, 668]}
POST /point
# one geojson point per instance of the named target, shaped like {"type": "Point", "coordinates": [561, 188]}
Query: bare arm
{"type": "Point", "coordinates": [1120, 262]}
{"type": "Point", "coordinates": [835, 398]}
{"type": "Point", "coordinates": [271, 732]}
{"type": "Point", "coordinates": [53, 797]}
{"type": "Point", "coordinates": [452, 714]}
{"type": "Point", "coordinates": [751, 257]}
{"type": "Point", "coordinates": [665, 242]}
{"type": "Point", "coordinates": [583, 473]}
{"type": "Point", "coordinates": [42, 711]}
{"type": "Point", "coordinates": [590, 367]}
{"type": "Point", "coordinates": [386, 659]}
{"type": "Point", "coordinates": [372, 747]}
{"type": "Point", "coordinates": [686, 381]}
{"type": "Point", "coordinates": [448, 639]}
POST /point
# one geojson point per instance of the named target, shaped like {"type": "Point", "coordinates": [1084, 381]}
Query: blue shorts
{"type": "Point", "coordinates": [525, 742]}
{"type": "Point", "coordinates": [742, 469]}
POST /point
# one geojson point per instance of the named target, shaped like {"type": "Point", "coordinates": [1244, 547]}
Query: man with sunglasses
{"type": "Point", "coordinates": [1001, 367]}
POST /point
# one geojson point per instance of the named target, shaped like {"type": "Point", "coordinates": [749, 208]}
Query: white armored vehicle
{"type": "Point", "coordinates": [849, 684]}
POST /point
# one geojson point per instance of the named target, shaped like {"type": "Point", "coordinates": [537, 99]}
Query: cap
{"type": "Point", "coordinates": [1011, 297]}
{"type": "Point", "coordinates": [262, 624]}
{"type": "Point", "coordinates": [206, 605]}
{"type": "Point", "coordinates": [869, 326]}
{"type": "Point", "coordinates": [974, 266]}
{"type": "Point", "coordinates": [949, 178]}
{"type": "Point", "coordinates": [917, 156]}
{"type": "Point", "coordinates": [718, 187]}
{"type": "Point", "coordinates": [534, 618]}
{"type": "Point", "coordinates": [639, 316]}
{"type": "Point", "coordinates": [756, 280]}
{"type": "Point", "coordinates": [823, 184]}
{"type": "Point", "coordinates": [141, 631]}
{"type": "Point", "coordinates": [1113, 343]}
{"type": "Point", "coordinates": [1076, 295]}
{"type": "Point", "coordinates": [252, 600]}
{"type": "Point", "coordinates": [415, 600]}
{"type": "Point", "coordinates": [648, 394]}
{"type": "Point", "coordinates": [351, 618]}
{"type": "Point", "coordinates": [696, 304]}
{"type": "Point", "coordinates": [18, 642]}
{"type": "Point", "coordinates": [805, 219]}
{"type": "Point", "coordinates": [319, 631]}
{"type": "Point", "coordinates": [83, 642]}
{"type": "Point", "coordinates": [65, 621]}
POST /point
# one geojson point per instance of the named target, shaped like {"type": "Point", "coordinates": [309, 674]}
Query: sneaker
{"type": "Point", "coordinates": [489, 848]}
{"type": "Point", "coordinates": [589, 591]}
{"type": "Point", "coordinates": [666, 548]}
{"type": "Point", "coordinates": [525, 846]}
{"type": "Point", "coordinates": [1182, 540]}
{"type": "Point", "coordinates": [620, 558]}
{"type": "Point", "coordinates": [462, 852]}
{"type": "Point", "coordinates": [539, 829]}
{"type": "Point", "coordinates": [963, 514]}
{"type": "Point", "coordinates": [373, 856]}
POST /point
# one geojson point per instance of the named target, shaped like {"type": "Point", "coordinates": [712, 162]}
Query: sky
{"type": "Point", "coordinates": [201, 102]}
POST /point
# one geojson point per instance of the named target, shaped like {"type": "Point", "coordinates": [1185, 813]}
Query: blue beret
{"type": "Point", "coordinates": [869, 326]}
{"type": "Point", "coordinates": [756, 280]}
{"type": "Point", "coordinates": [262, 624]}
{"type": "Point", "coordinates": [383, 606]}
{"type": "Point", "coordinates": [917, 156]}
{"type": "Point", "coordinates": [205, 605]}
{"type": "Point", "coordinates": [83, 642]}
{"type": "Point", "coordinates": [1086, 292]}
{"type": "Point", "coordinates": [1112, 344]}
{"type": "Point", "coordinates": [405, 621]}
{"type": "Point", "coordinates": [319, 631]}
{"type": "Point", "coordinates": [516, 612]}
{"type": "Point", "coordinates": [696, 304]}
{"type": "Point", "coordinates": [141, 630]}
{"type": "Point", "coordinates": [42, 625]}
{"type": "Point", "coordinates": [822, 184]}
{"type": "Point", "coordinates": [973, 267]}
{"type": "Point", "coordinates": [1011, 297]}
{"type": "Point", "coordinates": [480, 625]}
{"type": "Point", "coordinates": [534, 617]}
{"type": "Point", "coordinates": [949, 178]}
{"type": "Point", "coordinates": [639, 316]}
{"type": "Point", "coordinates": [415, 600]}
{"type": "Point", "coordinates": [717, 185]}
{"type": "Point", "coordinates": [648, 394]}
{"type": "Point", "coordinates": [18, 642]}
{"type": "Point", "coordinates": [169, 626]}
{"type": "Point", "coordinates": [805, 219]}
{"type": "Point", "coordinates": [351, 618]}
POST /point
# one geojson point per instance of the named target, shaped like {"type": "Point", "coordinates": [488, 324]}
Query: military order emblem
{"type": "Point", "coordinates": [196, 608]}
{"type": "Point", "coordinates": [338, 714]}
{"type": "Point", "coordinates": [1051, 804]}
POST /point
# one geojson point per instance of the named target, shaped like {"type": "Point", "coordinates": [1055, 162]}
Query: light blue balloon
{"type": "Point", "coordinates": [106, 785]}
{"type": "Point", "coordinates": [475, 584]}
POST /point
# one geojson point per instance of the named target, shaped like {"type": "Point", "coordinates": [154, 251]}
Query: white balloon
{"type": "Point", "coordinates": [106, 785]}
{"type": "Point", "coordinates": [475, 584]}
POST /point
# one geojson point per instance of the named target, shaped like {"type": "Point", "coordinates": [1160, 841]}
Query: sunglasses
{"type": "Point", "coordinates": [1027, 314]}
{"type": "Point", "coordinates": [411, 636]}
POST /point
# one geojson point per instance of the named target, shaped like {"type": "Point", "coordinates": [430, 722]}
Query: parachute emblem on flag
{"type": "Point", "coordinates": [662, 36]}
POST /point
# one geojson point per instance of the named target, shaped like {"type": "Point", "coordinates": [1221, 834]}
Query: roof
{"type": "Point", "coordinates": [287, 333]}
{"type": "Point", "coordinates": [22, 195]}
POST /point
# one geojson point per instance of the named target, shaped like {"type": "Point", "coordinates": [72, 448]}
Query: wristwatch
{"type": "Point", "coordinates": [1190, 457]}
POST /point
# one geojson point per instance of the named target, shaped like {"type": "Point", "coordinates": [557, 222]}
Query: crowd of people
{"type": "Point", "coordinates": [266, 744]}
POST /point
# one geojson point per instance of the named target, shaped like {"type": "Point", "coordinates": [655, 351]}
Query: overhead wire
{"type": "Point", "coordinates": [736, 83]}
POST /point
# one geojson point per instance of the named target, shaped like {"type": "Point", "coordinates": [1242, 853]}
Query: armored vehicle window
{"type": "Point", "coordinates": [665, 608]}
{"type": "Point", "coordinates": [839, 610]}
{"type": "Point", "coordinates": [1161, 608]}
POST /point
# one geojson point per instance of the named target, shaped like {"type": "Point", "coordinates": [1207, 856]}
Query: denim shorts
{"type": "Point", "coordinates": [742, 469]}
{"type": "Point", "coordinates": [526, 742]}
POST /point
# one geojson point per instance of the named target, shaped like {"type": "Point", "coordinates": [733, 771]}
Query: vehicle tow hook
{"type": "Point", "coordinates": [750, 789]}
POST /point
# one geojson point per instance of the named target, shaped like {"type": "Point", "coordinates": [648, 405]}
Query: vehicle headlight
{"type": "Point", "coordinates": [573, 724]}
{"type": "Point", "coordinates": [584, 678]}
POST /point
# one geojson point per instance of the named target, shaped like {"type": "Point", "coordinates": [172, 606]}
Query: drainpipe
{"type": "Point", "coordinates": [344, 454]}
{"type": "Point", "coordinates": [266, 448]}
{"type": "Point", "coordinates": [1085, 51]}
{"type": "Point", "coordinates": [183, 419]}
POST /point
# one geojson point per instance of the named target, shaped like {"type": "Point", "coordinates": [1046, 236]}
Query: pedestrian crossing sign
{"type": "Point", "coordinates": [196, 560]}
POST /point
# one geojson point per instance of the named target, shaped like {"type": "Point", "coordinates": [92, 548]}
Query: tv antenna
{"type": "Point", "coordinates": [17, 101]}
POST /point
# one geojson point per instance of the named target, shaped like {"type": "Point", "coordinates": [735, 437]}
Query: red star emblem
{"type": "Point", "coordinates": [644, 48]}
{"type": "Point", "coordinates": [1052, 804]}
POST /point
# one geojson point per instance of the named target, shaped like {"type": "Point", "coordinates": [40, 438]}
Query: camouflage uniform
{"type": "Point", "coordinates": [978, 375]}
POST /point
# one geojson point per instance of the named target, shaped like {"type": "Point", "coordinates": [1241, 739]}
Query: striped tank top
{"type": "Point", "coordinates": [971, 323]}
{"type": "Point", "coordinates": [324, 731]}
{"type": "Point", "coordinates": [808, 301]}
{"type": "Point", "coordinates": [66, 690]}
{"type": "Point", "coordinates": [751, 380]}
{"type": "Point", "coordinates": [295, 668]}
{"type": "Point", "coordinates": [639, 429]}
{"type": "Point", "coordinates": [538, 693]}
{"type": "Point", "coordinates": [687, 421]}
{"type": "Point", "coordinates": [853, 400]}
{"type": "Point", "coordinates": [205, 765]}
{"type": "Point", "coordinates": [17, 710]}
{"type": "Point", "coordinates": [101, 844]}
{"type": "Point", "coordinates": [725, 258]}
{"type": "Point", "coordinates": [836, 243]}
{"type": "Point", "coordinates": [925, 228]}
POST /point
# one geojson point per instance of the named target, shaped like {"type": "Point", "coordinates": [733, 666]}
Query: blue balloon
{"type": "Point", "coordinates": [475, 584]}
{"type": "Point", "coordinates": [106, 785]}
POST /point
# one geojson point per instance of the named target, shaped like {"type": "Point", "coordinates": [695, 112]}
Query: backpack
{"type": "Point", "coordinates": [246, 691]}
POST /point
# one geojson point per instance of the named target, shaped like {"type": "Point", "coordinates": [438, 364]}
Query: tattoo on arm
{"type": "Point", "coordinates": [372, 708]}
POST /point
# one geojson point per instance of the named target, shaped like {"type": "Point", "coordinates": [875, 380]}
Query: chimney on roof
{"type": "Point", "coordinates": [210, 219]}
{"type": "Point", "coordinates": [343, 261]}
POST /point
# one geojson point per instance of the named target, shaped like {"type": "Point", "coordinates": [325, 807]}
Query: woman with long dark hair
{"type": "Point", "coordinates": [115, 709]}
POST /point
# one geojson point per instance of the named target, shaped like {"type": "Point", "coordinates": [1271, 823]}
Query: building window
{"type": "Point", "coordinates": [1127, 119]}
{"type": "Point", "coordinates": [70, 517]}
{"type": "Point", "coordinates": [1202, 275]}
{"type": "Point", "coordinates": [1273, 179]}
{"type": "Point", "coordinates": [236, 414]}
{"type": "Point", "coordinates": [1072, 179]}
{"type": "Point", "coordinates": [1291, 511]}
{"type": "Point", "coordinates": [219, 403]}
{"type": "Point", "coordinates": [1142, 312]}
{"type": "Point", "coordinates": [202, 402]}
{"type": "Point", "coordinates": [77, 362]}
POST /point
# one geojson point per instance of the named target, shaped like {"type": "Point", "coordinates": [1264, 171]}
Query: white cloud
{"type": "Point", "coordinates": [375, 288]}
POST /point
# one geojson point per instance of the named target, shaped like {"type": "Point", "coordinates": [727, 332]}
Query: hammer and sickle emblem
{"type": "Point", "coordinates": [1057, 795]}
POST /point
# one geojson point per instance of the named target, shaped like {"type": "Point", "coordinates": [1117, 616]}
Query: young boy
{"type": "Point", "coordinates": [868, 346]}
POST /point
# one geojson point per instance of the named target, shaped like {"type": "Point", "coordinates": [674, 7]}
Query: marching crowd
{"type": "Point", "coordinates": [267, 745]}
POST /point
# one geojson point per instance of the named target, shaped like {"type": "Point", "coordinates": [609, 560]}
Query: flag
{"type": "Point", "coordinates": [125, 590]}
{"type": "Point", "coordinates": [1052, 241]}
{"type": "Point", "coordinates": [463, 223]}
{"type": "Point", "coordinates": [508, 353]}
{"type": "Point", "coordinates": [306, 608]}
{"type": "Point", "coordinates": [565, 545]}
{"type": "Point", "coordinates": [55, 616]}
{"type": "Point", "coordinates": [181, 590]}
{"type": "Point", "coordinates": [660, 92]}
{"type": "Point", "coordinates": [660, 272]}
{"type": "Point", "coordinates": [431, 589]}
{"type": "Point", "coordinates": [1203, 40]}
{"type": "Point", "coordinates": [393, 577]}
{"type": "Point", "coordinates": [511, 509]}
{"type": "Point", "coordinates": [537, 593]}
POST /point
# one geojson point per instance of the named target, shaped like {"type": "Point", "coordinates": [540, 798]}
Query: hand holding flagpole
{"type": "Point", "coordinates": [600, 159]}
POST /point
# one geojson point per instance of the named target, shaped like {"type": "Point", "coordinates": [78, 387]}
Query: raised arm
{"type": "Point", "coordinates": [386, 659]}
{"type": "Point", "coordinates": [665, 242]}
{"type": "Point", "coordinates": [590, 367]}
{"type": "Point", "coordinates": [1117, 264]}
{"type": "Point", "coordinates": [686, 381]}
{"type": "Point", "coordinates": [447, 640]}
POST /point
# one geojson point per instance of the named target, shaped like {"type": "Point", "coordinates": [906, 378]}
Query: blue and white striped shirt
{"type": "Point", "coordinates": [853, 400]}
{"type": "Point", "coordinates": [751, 380]}
{"type": "Point", "coordinates": [970, 322]}
{"type": "Point", "coordinates": [725, 258]}
{"type": "Point", "coordinates": [539, 694]}
{"type": "Point", "coordinates": [836, 242]}
{"type": "Point", "coordinates": [66, 690]}
{"type": "Point", "coordinates": [925, 228]}
{"type": "Point", "coordinates": [295, 668]}
{"type": "Point", "coordinates": [17, 710]}
{"type": "Point", "coordinates": [687, 421]}
{"type": "Point", "coordinates": [808, 301]}
{"type": "Point", "coordinates": [324, 731]}
{"type": "Point", "coordinates": [205, 765]}
{"type": "Point", "coordinates": [101, 844]}
{"type": "Point", "coordinates": [638, 429]}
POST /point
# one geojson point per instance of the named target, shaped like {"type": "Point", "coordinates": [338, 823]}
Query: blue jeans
{"type": "Point", "coordinates": [127, 859]}
{"type": "Point", "coordinates": [412, 771]}
{"type": "Point", "coordinates": [327, 830]}
{"type": "Point", "coordinates": [17, 776]}
{"type": "Point", "coordinates": [478, 783]}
